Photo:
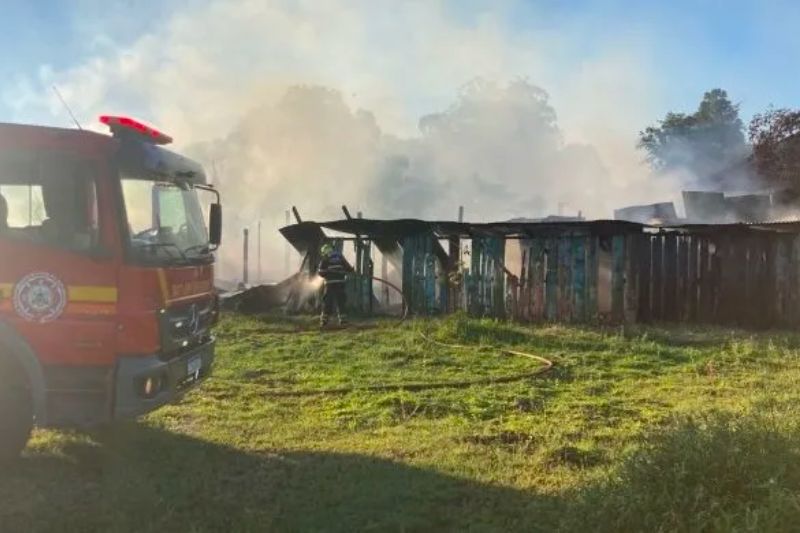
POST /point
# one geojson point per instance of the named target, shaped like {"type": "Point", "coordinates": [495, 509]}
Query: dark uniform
{"type": "Point", "coordinates": [334, 268]}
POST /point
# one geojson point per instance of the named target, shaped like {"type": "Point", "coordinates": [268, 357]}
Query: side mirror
{"type": "Point", "coordinates": [215, 224]}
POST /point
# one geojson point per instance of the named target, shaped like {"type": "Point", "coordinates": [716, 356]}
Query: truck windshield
{"type": "Point", "coordinates": [165, 221]}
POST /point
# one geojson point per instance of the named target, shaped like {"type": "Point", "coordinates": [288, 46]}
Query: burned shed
{"type": "Point", "coordinates": [570, 271]}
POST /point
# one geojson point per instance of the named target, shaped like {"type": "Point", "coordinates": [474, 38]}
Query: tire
{"type": "Point", "coordinates": [16, 414]}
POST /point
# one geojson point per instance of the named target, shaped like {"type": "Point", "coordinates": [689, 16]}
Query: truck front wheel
{"type": "Point", "coordinates": [16, 411]}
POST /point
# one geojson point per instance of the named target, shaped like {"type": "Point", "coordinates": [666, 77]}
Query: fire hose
{"type": "Point", "coordinates": [544, 366]}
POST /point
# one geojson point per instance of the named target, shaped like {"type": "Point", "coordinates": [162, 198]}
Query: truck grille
{"type": "Point", "coordinates": [185, 326]}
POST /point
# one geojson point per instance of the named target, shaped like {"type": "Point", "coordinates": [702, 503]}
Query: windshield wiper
{"type": "Point", "coordinates": [165, 245]}
{"type": "Point", "coordinates": [203, 249]}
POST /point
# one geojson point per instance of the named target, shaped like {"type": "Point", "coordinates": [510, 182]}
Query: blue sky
{"type": "Point", "coordinates": [752, 49]}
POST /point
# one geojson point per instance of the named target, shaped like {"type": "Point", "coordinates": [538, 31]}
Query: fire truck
{"type": "Point", "coordinates": [107, 300]}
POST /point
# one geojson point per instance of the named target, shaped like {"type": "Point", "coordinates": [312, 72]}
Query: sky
{"type": "Point", "coordinates": [197, 69]}
{"type": "Point", "coordinates": [750, 49]}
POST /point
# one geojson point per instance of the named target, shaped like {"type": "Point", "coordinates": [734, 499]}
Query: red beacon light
{"type": "Point", "coordinates": [126, 125]}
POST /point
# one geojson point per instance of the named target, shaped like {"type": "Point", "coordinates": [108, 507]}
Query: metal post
{"type": "Point", "coordinates": [460, 251]}
{"type": "Point", "coordinates": [286, 251]}
{"type": "Point", "coordinates": [385, 276]}
{"type": "Point", "coordinates": [258, 248]}
{"type": "Point", "coordinates": [245, 251]}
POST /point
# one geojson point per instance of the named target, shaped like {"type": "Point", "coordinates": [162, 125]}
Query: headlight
{"type": "Point", "coordinates": [150, 386]}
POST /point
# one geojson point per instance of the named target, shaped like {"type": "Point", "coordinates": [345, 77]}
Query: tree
{"type": "Point", "coordinates": [775, 136]}
{"type": "Point", "coordinates": [499, 151]}
{"type": "Point", "coordinates": [704, 142]}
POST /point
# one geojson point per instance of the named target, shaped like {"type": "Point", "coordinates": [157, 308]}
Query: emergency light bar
{"type": "Point", "coordinates": [120, 125]}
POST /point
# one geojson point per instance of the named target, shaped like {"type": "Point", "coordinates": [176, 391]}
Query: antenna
{"type": "Point", "coordinates": [75, 120]}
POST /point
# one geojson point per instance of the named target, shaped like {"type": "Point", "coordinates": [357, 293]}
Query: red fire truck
{"type": "Point", "coordinates": [106, 276]}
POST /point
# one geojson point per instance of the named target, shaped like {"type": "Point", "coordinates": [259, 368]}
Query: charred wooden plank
{"type": "Point", "coordinates": [769, 284]}
{"type": "Point", "coordinates": [592, 275]}
{"type": "Point", "coordinates": [498, 254]}
{"type": "Point", "coordinates": [670, 259]}
{"type": "Point", "coordinates": [429, 276]}
{"type": "Point", "coordinates": [704, 282]}
{"type": "Point", "coordinates": [408, 271]}
{"type": "Point", "coordinates": [645, 280]}
{"type": "Point", "coordinates": [564, 279]}
{"type": "Point", "coordinates": [551, 296]}
{"type": "Point", "coordinates": [579, 278]}
{"type": "Point", "coordinates": [782, 288]}
{"type": "Point", "coordinates": [683, 279]}
{"type": "Point", "coordinates": [631, 297]}
{"type": "Point", "coordinates": [538, 277]}
{"type": "Point", "coordinates": [794, 274]}
{"type": "Point", "coordinates": [523, 304]}
{"type": "Point", "coordinates": [716, 252]}
{"type": "Point", "coordinates": [618, 278]}
{"type": "Point", "coordinates": [691, 278]}
{"type": "Point", "coordinates": [741, 310]}
{"type": "Point", "coordinates": [656, 307]}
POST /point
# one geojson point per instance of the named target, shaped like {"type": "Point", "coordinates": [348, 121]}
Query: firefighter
{"type": "Point", "coordinates": [333, 268]}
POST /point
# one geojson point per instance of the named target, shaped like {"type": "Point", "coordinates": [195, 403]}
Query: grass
{"type": "Point", "coordinates": [635, 429]}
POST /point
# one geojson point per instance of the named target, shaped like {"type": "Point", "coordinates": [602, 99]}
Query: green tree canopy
{"type": "Point", "coordinates": [775, 136]}
{"type": "Point", "coordinates": [704, 142]}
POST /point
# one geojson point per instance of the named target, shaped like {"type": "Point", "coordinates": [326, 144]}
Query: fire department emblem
{"type": "Point", "coordinates": [40, 297]}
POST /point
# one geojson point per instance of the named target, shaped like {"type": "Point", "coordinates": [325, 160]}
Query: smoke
{"type": "Point", "coordinates": [394, 109]}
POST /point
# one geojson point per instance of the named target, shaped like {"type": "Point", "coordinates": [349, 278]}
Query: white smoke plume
{"type": "Point", "coordinates": [395, 109]}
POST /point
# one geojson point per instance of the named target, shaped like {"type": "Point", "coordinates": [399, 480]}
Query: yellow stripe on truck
{"type": "Point", "coordinates": [75, 293]}
{"type": "Point", "coordinates": [6, 290]}
{"type": "Point", "coordinates": [105, 295]}
{"type": "Point", "coordinates": [162, 283]}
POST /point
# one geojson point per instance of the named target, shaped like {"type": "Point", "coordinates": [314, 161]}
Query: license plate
{"type": "Point", "coordinates": [194, 365]}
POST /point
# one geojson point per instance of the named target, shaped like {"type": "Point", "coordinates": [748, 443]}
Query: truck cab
{"type": "Point", "coordinates": [107, 299]}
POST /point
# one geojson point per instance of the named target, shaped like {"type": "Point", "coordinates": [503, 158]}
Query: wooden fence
{"type": "Point", "coordinates": [605, 271]}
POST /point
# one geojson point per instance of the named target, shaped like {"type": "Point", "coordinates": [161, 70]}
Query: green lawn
{"type": "Point", "coordinates": [633, 429]}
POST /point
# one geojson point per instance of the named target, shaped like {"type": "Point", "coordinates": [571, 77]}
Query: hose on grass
{"type": "Point", "coordinates": [545, 365]}
{"type": "Point", "coordinates": [416, 386]}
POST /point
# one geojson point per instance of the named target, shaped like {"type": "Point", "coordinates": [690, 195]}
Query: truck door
{"type": "Point", "coordinates": [58, 275]}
